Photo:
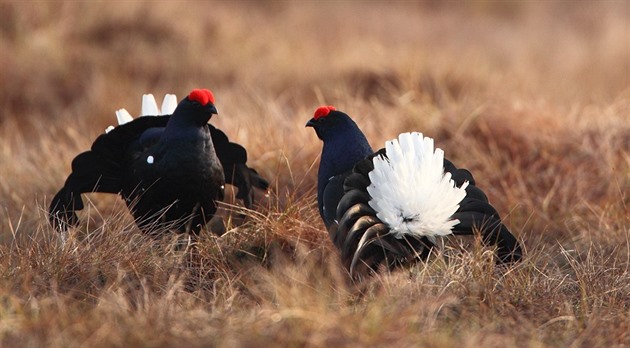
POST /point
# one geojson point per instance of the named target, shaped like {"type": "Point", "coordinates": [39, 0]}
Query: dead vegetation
{"type": "Point", "coordinates": [532, 97]}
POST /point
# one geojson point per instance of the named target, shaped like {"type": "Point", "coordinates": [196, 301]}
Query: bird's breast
{"type": "Point", "coordinates": [185, 166]}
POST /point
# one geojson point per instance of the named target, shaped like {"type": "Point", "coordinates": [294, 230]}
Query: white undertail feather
{"type": "Point", "coordinates": [123, 116]}
{"type": "Point", "coordinates": [410, 191]}
{"type": "Point", "coordinates": [169, 104]}
{"type": "Point", "coordinates": [149, 108]}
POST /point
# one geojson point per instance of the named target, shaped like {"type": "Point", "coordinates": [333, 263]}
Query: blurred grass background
{"type": "Point", "coordinates": [532, 97]}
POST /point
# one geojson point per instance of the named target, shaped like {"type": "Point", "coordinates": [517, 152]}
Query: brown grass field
{"type": "Point", "coordinates": [532, 96]}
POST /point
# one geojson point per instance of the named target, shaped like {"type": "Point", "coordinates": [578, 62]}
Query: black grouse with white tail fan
{"type": "Point", "coordinates": [170, 169]}
{"type": "Point", "coordinates": [387, 208]}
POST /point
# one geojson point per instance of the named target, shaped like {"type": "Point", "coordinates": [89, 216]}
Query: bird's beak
{"type": "Point", "coordinates": [213, 110]}
{"type": "Point", "coordinates": [311, 123]}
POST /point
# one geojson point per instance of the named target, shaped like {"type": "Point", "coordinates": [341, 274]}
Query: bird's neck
{"type": "Point", "coordinates": [340, 154]}
{"type": "Point", "coordinates": [186, 133]}
{"type": "Point", "coordinates": [179, 128]}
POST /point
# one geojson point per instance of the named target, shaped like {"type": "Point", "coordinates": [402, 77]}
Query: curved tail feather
{"type": "Point", "coordinates": [61, 212]}
{"type": "Point", "coordinates": [244, 178]}
{"type": "Point", "coordinates": [90, 173]}
{"type": "Point", "coordinates": [233, 158]}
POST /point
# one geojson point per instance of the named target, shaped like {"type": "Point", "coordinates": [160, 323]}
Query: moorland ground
{"type": "Point", "coordinates": [532, 97]}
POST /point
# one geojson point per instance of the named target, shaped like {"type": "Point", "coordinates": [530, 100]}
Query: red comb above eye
{"type": "Point", "coordinates": [323, 111]}
{"type": "Point", "coordinates": [202, 96]}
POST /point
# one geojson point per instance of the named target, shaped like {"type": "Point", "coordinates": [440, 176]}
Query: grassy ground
{"type": "Point", "coordinates": [532, 97]}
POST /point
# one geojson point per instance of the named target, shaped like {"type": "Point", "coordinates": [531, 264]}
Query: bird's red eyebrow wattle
{"type": "Point", "coordinates": [202, 96]}
{"type": "Point", "coordinates": [323, 111]}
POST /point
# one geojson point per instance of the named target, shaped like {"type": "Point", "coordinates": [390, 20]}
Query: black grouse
{"type": "Point", "coordinates": [388, 207]}
{"type": "Point", "coordinates": [169, 169]}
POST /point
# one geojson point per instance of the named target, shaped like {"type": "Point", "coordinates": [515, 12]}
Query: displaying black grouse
{"type": "Point", "coordinates": [170, 169]}
{"type": "Point", "coordinates": [388, 207]}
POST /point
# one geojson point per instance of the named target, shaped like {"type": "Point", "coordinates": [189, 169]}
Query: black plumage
{"type": "Point", "coordinates": [170, 169]}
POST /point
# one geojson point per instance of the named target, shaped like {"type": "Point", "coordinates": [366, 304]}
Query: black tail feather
{"type": "Point", "coordinates": [493, 231]}
{"type": "Point", "coordinates": [90, 173]}
{"type": "Point", "coordinates": [245, 179]}
{"type": "Point", "coordinates": [61, 212]}
{"type": "Point", "coordinates": [233, 158]}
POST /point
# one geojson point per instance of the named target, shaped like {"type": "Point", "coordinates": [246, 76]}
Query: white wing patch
{"type": "Point", "coordinates": [410, 191]}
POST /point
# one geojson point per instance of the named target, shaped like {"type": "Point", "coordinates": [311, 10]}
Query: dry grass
{"type": "Point", "coordinates": [533, 97]}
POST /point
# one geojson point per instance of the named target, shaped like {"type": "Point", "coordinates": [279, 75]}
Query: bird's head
{"type": "Point", "coordinates": [328, 122]}
{"type": "Point", "coordinates": [197, 107]}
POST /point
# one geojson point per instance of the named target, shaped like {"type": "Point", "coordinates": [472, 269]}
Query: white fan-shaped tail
{"type": "Point", "coordinates": [149, 106]}
{"type": "Point", "coordinates": [410, 191]}
{"type": "Point", "coordinates": [123, 116]}
{"type": "Point", "coordinates": [169, 104]}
